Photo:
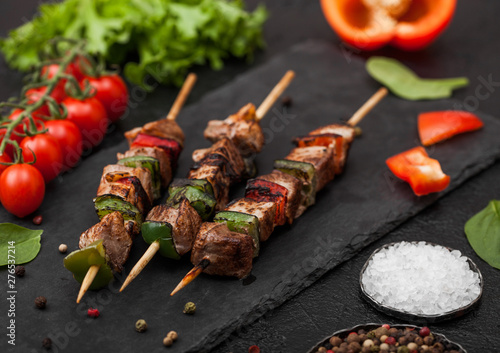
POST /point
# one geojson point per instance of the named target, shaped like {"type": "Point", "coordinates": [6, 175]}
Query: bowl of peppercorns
{"type": "Point", "coordinates": [380, 338]}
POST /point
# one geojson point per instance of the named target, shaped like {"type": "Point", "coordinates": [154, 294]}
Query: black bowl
{"type": "Point", "coordinates": [368, 327]}
{"type": "Point", "coordinates": [420, 318]}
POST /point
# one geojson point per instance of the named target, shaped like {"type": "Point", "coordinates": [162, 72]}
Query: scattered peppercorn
{"type": "Point", "coordinates": [428, 340]}
{"type": "Point", "coordinates": [381, 331]}
{"type": "Point", "coordinates": [393, 332]}
{"type": "Point", "coordinates": [354, 346]}
{"type": "Point", "coordinates": [386, 326]}
{"type": "Point", "coordinates": [383, 338]}
{"type": "Point", "coordinates": [412, 346]}
{"type": "Point", "coordinates": [286, 101]}
{"type": "Point", "coordinates": [37, 220]}
{"type": "Point", "coordinates": [141, 326]}
{"type": "Point", "coordinates": [47, 343]}
{"type": "Point", "coordinates": [352, 337]}
{"type": "Point", "coordinates": [358, 132]}
{"type": "Point", "coordinates": [168, 341]}
{"type": "Point", "coordinates": [189, 308]}
{"type": "Point", "coordinates": [419, 340]}
{"type": "Point", "coordinates": [335, 341]}
{"type": "Point", "coordinates": [254, 349]}
{"type": "Point", "coordinates": [384, 347]}
{"type": "Point", "coordinates": [40, 302]}
{"type": "Point", "coordinates": [322, 350]}
{"type": "Point", "coordinates": [403, 340]}
{"type": "Point", "coordinates": [93, 313]}
{"type": "Point", "coordinates": [20, 271]}
{"type": "Point", "coordinates": [173, 335]}
{"type": "Point", "coordinates": [403, 349]}
{"type": "Point", "coordinates": [424, 331]}
{"type": "Point", "coordinates": [63, 248]}
{"type": "Point", "coordinates": [390, 340]}
{"type": "Point", "coordinates": [368, 343]}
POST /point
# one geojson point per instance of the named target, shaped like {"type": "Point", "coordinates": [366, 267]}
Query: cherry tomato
{"type": "Point", "coordinates": [49, 158]}
{"type": "Point", "coordinates": [22, 189]}
{"type": "Point", "coordinates": [4, 158]}
{"type": "Point", "coordinates": [25, 122]}
{"type": "Point", "coordinates": [70, 140]}
{"type": "Point", "coordinates": [34, 95]}
{"type": "Point", "coordinates": [112, 92]}
{"type": "Point", "coordinates": [77, 67]}
{"type": "Point", "coordinates": [90, 117]}
{"type": "Point", "coordinates": [49, 71]}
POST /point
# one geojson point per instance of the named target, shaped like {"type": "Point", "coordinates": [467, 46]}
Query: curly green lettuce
{"type": "Point", "coordinates": [158, 38]}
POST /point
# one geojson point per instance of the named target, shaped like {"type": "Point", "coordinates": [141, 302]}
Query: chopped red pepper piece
{"type": "Point", "coordinates": [172, 147]}
{"type": "Point", "coordinates": [434, 127]}
{"type": "Point", "coordinates": [372, 24]}
{"type": "Point", "coordinates": [424, 174]}
{"type": "Point", "coordinates": [266, 191]}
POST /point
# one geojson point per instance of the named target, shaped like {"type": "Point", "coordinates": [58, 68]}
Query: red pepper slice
{"type": "Point", "coordinates": [413, 28]}
{"type": "Point", "coordinates": [262, 190]}
{"type": "Point", "coordinates": [434, 127]}
{"type": "Point", "coordinates": [172, 147]}
{"type": "Point", "coordinates": [424, 174]}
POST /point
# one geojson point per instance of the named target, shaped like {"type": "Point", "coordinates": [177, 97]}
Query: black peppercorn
{"type": "Point", "coordinates": [354, 346]}
{"type": "Point", "coordinates": [38, 220]}
{"type": "Point", "coordinates": [286, 101]}
{"type": "Point", "coordinates": [393, 332]}
{"type": "Point", "coordinates": [429, 340]}
{"type": "Point", "coordinates": [40, 302]}
{"type": "Point", "coordinates": [20, 270]}
{"type": "Point", "coordinates": [47, 343]}
{"type": "Point", "coordinates": [403, 340]}
{"type": "Point", "coordinates": [419, 340]}
{"type": "Point", "coordinates": [335, 341]}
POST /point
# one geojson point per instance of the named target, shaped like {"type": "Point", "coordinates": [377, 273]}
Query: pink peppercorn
{"type": "Point", "coordinates": [93, 313]}
{"type": "Point", "coordinates": [390, 340]}
{"type": "Point", "coordinates": [386, 326]}
{"type": "Point", "coordinates": [254, 349]}
{"type": "Point", "coordinates": [424, 331]}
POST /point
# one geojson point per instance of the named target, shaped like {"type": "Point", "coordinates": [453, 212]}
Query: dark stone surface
{"type": "Point", "coordinates": [332, 302]}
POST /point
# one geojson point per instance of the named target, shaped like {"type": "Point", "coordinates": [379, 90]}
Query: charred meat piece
{"type": "Point", "coordinates": [184, 220]}
{"type": "Point", "coordinates": [227, 149]}
{"type": "Point", "coordinates": [347, 133]}
{"type": "Point", "coordinates": [321, 158]}
{"type": "Point", "coordinates": [165, 129]}
{"type": "Point", "coordinates": [154, 152]}
{"type": "Point", "coordinates": [241, 128]}
{"type": "Point", "coordinates": [264, 211]}
{"type": "Point", "coordinates": [294, 188]}
{"type": "Point", "coordinates": [117, 239]}
{"type": "Point", "coordinates": [113, 172]}
{"type": "Point", "coordinates": [334, 141]}
{"type": "Point", "coordinates": [229, 253]}
{"type": "Point", "coordinates": [170, 146]}
{"type": "Point", "coordinates": [220, 181]}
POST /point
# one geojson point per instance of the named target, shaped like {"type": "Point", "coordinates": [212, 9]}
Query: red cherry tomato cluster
{"type": "Point", "coordinates": [22, 186]}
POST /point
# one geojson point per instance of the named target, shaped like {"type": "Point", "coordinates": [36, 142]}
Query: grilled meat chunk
{"type": "Point", "coordinates": [229, 253]}
{"type": "Point", "coordinates": [322, 158]}
{"type": "Point", "coordinates": [113, 172]}
{"type": "Point", "coordinates": [184, 220]}
{"type": "Point", "coordinates": [294, 187]}
{"type": "Point", "coordinates": [264, 211]}
{"type": "Point", "coordinates": [216, 175]}
{"type": "Point", "coordinates": [241, 128]}
{"type": "Point", "coordinates": [157, 153]}
{"type": "Point", "coordinates": [117, 239]}
{"type": "Point", "coordinates": [235, 165]}
{"type": "Point", "coordinates": [347, 133]}
{"type": "Point", "coordinates": [166, 129]}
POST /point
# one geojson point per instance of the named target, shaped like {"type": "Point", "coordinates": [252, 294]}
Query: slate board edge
{"type": "Point", "coordinates": [278, 297]}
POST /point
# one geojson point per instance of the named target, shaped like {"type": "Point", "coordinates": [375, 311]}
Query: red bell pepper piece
{"type": "Point", "coordinates": [434, 127]}
{"type": "Point", "coordinates": [262, 190]}
{"type": "Point", "coordinates": [172, 147]}
{"type": "Point", "coordinates": [325, 140]}
{"type": "Point", "coordinates": [371, 24]}
{"type": "Point", "coordinates": [424, 174]}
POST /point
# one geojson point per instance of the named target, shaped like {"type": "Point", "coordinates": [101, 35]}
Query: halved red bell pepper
{"type": "Point", "coordinates": [423, 173]}
{"type": "Point", "coordinates": [372, 24]}
{"type": "Point", "coordinates": [267, 191]}
{"type": "Point", "coordinates": [434, 127]}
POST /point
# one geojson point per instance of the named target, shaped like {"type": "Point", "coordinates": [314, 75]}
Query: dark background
{"type": "Point", "coordinates": [470, 47]}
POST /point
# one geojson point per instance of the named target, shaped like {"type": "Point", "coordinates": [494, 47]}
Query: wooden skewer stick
{"type": "Point", "coordinates": [355, 119]}
{"type": "Point", "coordinates": [182, 96]}
{"type": "Point", "coordinates": [365, 108]}
{"type": "Point", "coordinates": [172, 115]}
{"type": "Point", "coordinates": [143, 261]}
{"type": "Point", "coordinates": [191, 275]}
{"type": "Point", "coordinates": [87, 281]}
{"type": "Point", "coordinates": [274, 94]}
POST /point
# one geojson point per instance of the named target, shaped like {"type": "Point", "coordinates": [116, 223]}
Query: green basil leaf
{"type": "Point", "coordinates": [405, 84]}
{"type": "Point", "coordinates": [18, 243]}
{"type": "Point", "coordinates": [483, 233]}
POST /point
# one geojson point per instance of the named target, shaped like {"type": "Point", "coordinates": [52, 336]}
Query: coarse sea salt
{"type": "Point", "coordinates": [420, 278]}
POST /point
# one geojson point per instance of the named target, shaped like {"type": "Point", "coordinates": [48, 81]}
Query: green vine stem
{"type": "Point", "coordinates": [51, 84]}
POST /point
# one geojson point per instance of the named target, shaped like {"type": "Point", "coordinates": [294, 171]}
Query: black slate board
{"type": "Point", "coordinates": [356, 209]}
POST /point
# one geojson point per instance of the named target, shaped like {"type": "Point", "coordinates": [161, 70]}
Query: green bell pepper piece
{"type": "Point", "coordinates": [303, 171]}
{"type": "Point", "coordinates": [79, 262]}
{"type": "Point", "coordinates": [149, 163]}
{"type": "Point", "coordinates": [202, 202]}
{"type": "Point", "coordinates": [162, 233]}
{"type": "Point", "coordinates": [106, 204]}
{"type": "Point", "coordinates": [200, 184]}
{"type": "Point", "coordinates": [241, 223]}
